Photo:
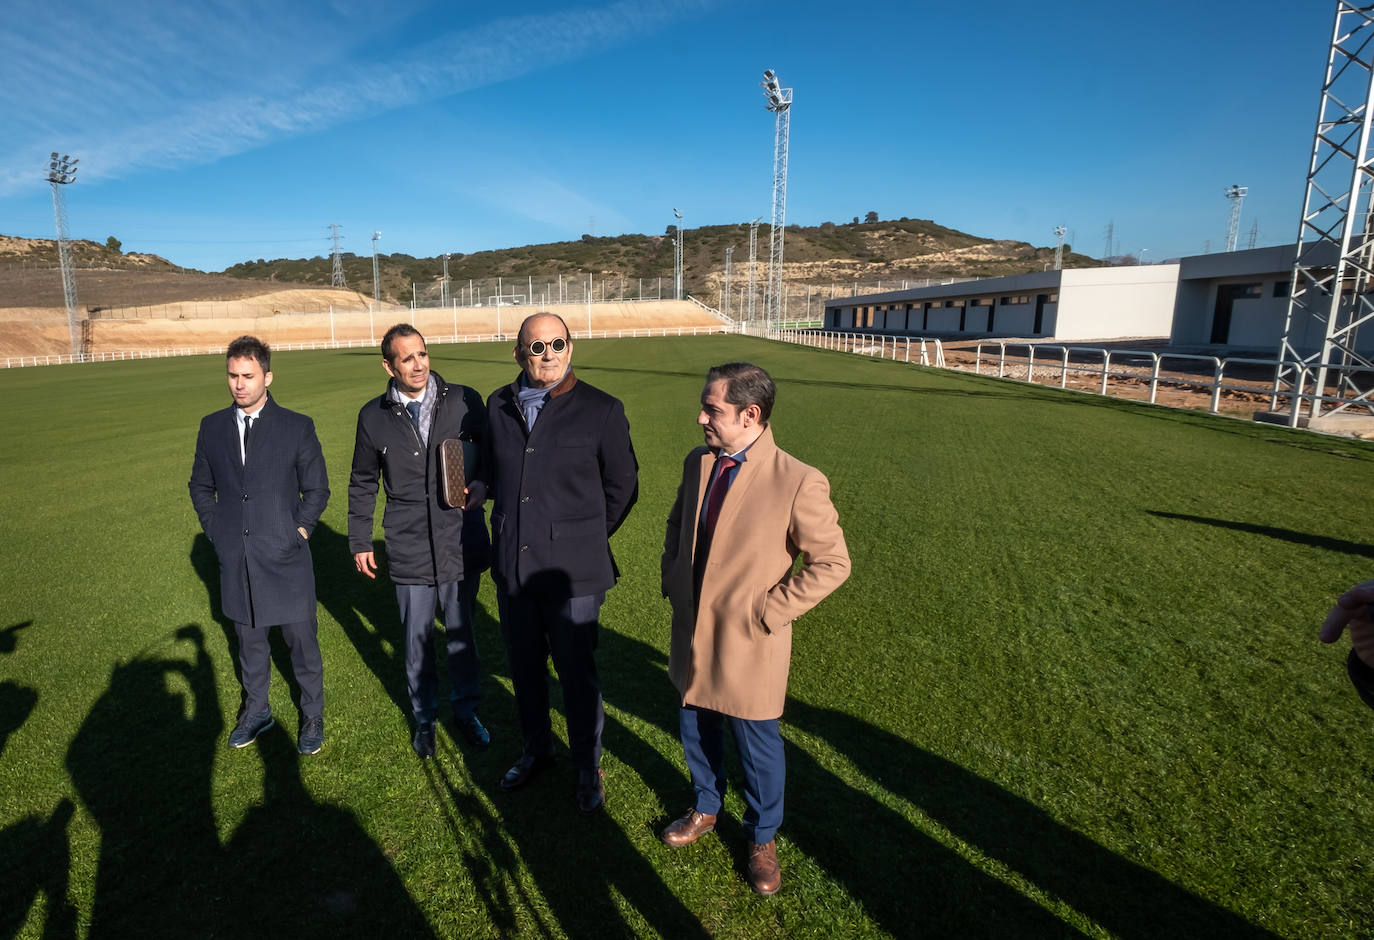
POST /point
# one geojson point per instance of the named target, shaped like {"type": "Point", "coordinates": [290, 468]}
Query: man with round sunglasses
{"type": "Point", "coordinates": [562, 477]}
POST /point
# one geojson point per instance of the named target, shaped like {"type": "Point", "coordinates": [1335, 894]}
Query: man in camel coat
{"type": "Point", "coordinates": [745, 511]}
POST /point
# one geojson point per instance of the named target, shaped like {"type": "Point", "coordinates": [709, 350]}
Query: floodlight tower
{"type": "Point", "coordinates": [1237, 196]}
{"type": "Point", "coordinates": [729, 259]}
{"type": "Point", "coordinates": [443, 285]}
{"type": "Point", "coordinates": [677, 256]}
{"type": "Point", "coordinates": [336, 278]}
{"type": "Point", "coordinates": [62, 172]}
{"type": "Point", "coordinates": [1059, 232]}
{"type": "Point", "coordinates": [780, 103]}
{"type": "Point", "coordinates": [376, 281]}
{"type": "Point", "coordinates": [1328, 292]}
{"type": "Point", "coordinates": [753, 263]}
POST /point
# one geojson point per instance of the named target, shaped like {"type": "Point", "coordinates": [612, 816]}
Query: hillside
{"type": "Point", "coordinates": [830, 253]}
{"type": "Point", "coordinates": [911, 249]}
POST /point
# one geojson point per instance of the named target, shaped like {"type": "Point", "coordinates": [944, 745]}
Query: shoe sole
{"type": "Point", "coordinates": [256, 734]}
{"type": "Point", "coordinates": [692, 841]}
{"type": "Point", "coordinates": [307, 751]}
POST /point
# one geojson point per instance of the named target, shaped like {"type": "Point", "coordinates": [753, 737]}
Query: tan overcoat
{"type": "Point", "coordinates": [731, 652]}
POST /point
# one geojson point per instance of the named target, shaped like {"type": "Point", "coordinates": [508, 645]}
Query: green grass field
{"type": "Point", "coordinates": [1072, 686]}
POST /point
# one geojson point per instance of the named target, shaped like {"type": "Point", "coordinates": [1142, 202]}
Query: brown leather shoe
{"type": "Point", "coordinates": [689, 828]}
{"type": "Point", "coordinates": [765, 877]}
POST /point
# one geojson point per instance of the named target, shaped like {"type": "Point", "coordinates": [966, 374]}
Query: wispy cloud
{"type": "Point", "coordinates": [132, 86]}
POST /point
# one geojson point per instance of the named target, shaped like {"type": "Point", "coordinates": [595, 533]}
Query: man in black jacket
{"type": "Point", "coordinates": [563, 477]}
{"type": "Point", "coordinates": [258, 484]}
{"type": "Point", "coordinates": [436, 552]}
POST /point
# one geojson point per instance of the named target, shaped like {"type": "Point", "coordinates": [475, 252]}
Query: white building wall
{"type": "Point", "coordinates": [1107, 303]}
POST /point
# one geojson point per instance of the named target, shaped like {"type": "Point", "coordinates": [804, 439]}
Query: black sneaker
{"type": "Point", "coordinates": [423, 742]}
{"type": "Point", "coordinates": [249, 727]}
{"type": "Point", "coordinates": [312, 736]}
{"type": "Point", "coordinates": [473, 731]}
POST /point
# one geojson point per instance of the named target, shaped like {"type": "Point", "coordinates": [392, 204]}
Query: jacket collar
{"type": "Point", "coordinates": [564, 386]}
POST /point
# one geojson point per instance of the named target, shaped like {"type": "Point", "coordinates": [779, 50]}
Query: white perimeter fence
{"type": "Point", "coordinates": [1024, 361]}
{"type": "Point", "coordinates": [1031, 361]}
{"type": "Point", "coordinates": [14, 362]}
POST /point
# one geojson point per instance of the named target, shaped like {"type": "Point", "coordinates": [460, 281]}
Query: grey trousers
{"type": "Point", "coordinates": [456, 600]}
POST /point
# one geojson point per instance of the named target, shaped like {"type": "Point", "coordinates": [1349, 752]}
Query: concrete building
{"type": "Point", "coordinates": [1073, 305]}
{"type": "Point", "coordinates": [1234, 303]}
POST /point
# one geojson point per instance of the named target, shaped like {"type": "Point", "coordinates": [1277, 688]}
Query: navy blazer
{"type": "Point", "coordinates": [251, 512]}
{"type": "Point", "coordinates": [558, 491]}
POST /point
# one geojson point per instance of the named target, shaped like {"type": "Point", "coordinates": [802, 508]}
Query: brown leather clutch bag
{"type": "Point", "coordinates": [451, 476]}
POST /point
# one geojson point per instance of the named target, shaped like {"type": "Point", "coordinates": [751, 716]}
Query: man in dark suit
{"type": "Point", "coordinates": [563, 477]}
{"type": "Point", "coordinates": [436, 551]}
{"type": "Point", "coordinates": [258, 484]}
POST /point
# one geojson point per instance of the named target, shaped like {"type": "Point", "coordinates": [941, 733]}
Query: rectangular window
{"type": "Point", "coordinates": [1281, 288]}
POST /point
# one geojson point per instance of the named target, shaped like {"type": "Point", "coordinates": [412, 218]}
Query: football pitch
{"type": "Point", "coordinates": [1072, 686]}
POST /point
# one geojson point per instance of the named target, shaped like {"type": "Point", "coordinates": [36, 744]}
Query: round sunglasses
{"type": "Point", "coordinates": [537, 347]}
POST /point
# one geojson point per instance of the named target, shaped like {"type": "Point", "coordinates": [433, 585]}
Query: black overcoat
{"type": "Point", "coordinates": [251, 512]}
{"type": "Point", "coordinates": [559, 491]}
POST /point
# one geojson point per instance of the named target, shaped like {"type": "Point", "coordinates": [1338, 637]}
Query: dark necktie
{"type": "Point", "coordinates": [247, 430]}
{"type": "Point", "coordinates": [716, 497]}
{"type": "Point", "coordinates": [414, 408]}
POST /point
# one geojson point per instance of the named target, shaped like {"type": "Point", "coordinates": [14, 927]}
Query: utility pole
{"type": "Point", "coordinates": [376, 281]}
{"type": "Point", "coordinates": [336, 277]}
{"type": "Point", "coordinates": [677, 257]}
{"type": "Point", "coordinates": [62, 172]}
{"type": "Point", "coordinates": [1237, 196]}
{"type": "Point", "coordinates": [729, 257]}
{"type": "Point", "coordinates": [753, 263]}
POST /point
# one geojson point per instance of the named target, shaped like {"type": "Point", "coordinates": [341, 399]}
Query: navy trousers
{"type": "Point", "coordinates": [535, 628]}
{"type": "Point", "coordinates": [255, 665]}
{"type": "Point", "coordinates": [456, 600]}
{"type": "Point", "coordinates": [760, 752]}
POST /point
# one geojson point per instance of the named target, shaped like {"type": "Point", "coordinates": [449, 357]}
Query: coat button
{"type": "Point", "coordinates": [245, 531]}
{"type": "Point", "coordinates": [245, 497]}
{"type": "Point", "coordinates": [523, 499]}
{"type": "Point", "coordinates": [529, 450]}
{"type": "Point", "coordinates": [522, 547]}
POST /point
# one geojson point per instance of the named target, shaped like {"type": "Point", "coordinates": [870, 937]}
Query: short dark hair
{"type": "Point", "coordinates": [400, 329]}
{"type": "Point", "coordinates": [250, 347]}
{"type": "Point", "coordinates": [746, 384]}
{"type": "Point", "coordinates": [519, 337]}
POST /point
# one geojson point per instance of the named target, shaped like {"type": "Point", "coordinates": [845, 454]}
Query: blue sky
{"type": "Point", "coordinates": [214, 132]}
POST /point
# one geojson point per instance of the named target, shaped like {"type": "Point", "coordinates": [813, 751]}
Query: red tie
{"type": "Point", "coordinates": [724, 464]}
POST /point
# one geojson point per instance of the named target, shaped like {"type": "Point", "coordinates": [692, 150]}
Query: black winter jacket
{"type": "Point", "coordinates": [427, 541]}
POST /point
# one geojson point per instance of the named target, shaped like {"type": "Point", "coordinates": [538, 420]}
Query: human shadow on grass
{"type": "Point", "coordinates": [297, 867]}
{"type": "Point", "coordinates": [1124, 898]}
{"type": "Point", "coordinates": [34, 854]}
{"type": "Point", "coordinates": [903, 878]}
{"type": "Point", "coordinates": [141, 763]}
{"type": "Point", "coordinates": [1273, 532]}
{"type": "Point", "coordinates": [592, 862]}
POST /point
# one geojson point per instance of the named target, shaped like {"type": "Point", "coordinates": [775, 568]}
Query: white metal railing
{"type": "Point", "coordinates": [928, 350]}
{"type": "Point", "coordinates": [1152, 370]}
{"type": "Point", "coordinates": [15, 362]}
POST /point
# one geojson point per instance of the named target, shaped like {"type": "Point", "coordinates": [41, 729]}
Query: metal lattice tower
{"type": "Point", "coordinates": [61, 172]}
{"type": "Point", "coordinates": [336, 278]}
{"type": "Point", "coordinates": [1254, 233]}
{"type": "Point", "coordinates": [780, 103]}
{"type": "Point", "coordinates": [443, 285]}
{"type": "Point", "coordinates": [376, 281]}
{"type": "Point", "coordinates": [1237, 196]}
{"type": "Point", "coordinates": [1059, 232]}
{"type": "Point", "coordinates": [753, 264]}
{"type": "Point", "coordinates": [1111, 234]}
{"type": "Point", "coordinates": [677, 256]}
{"type": "Point", "coordinates": [1328, 299]}
{"type": "Point", "coordinates": [729, 261]}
